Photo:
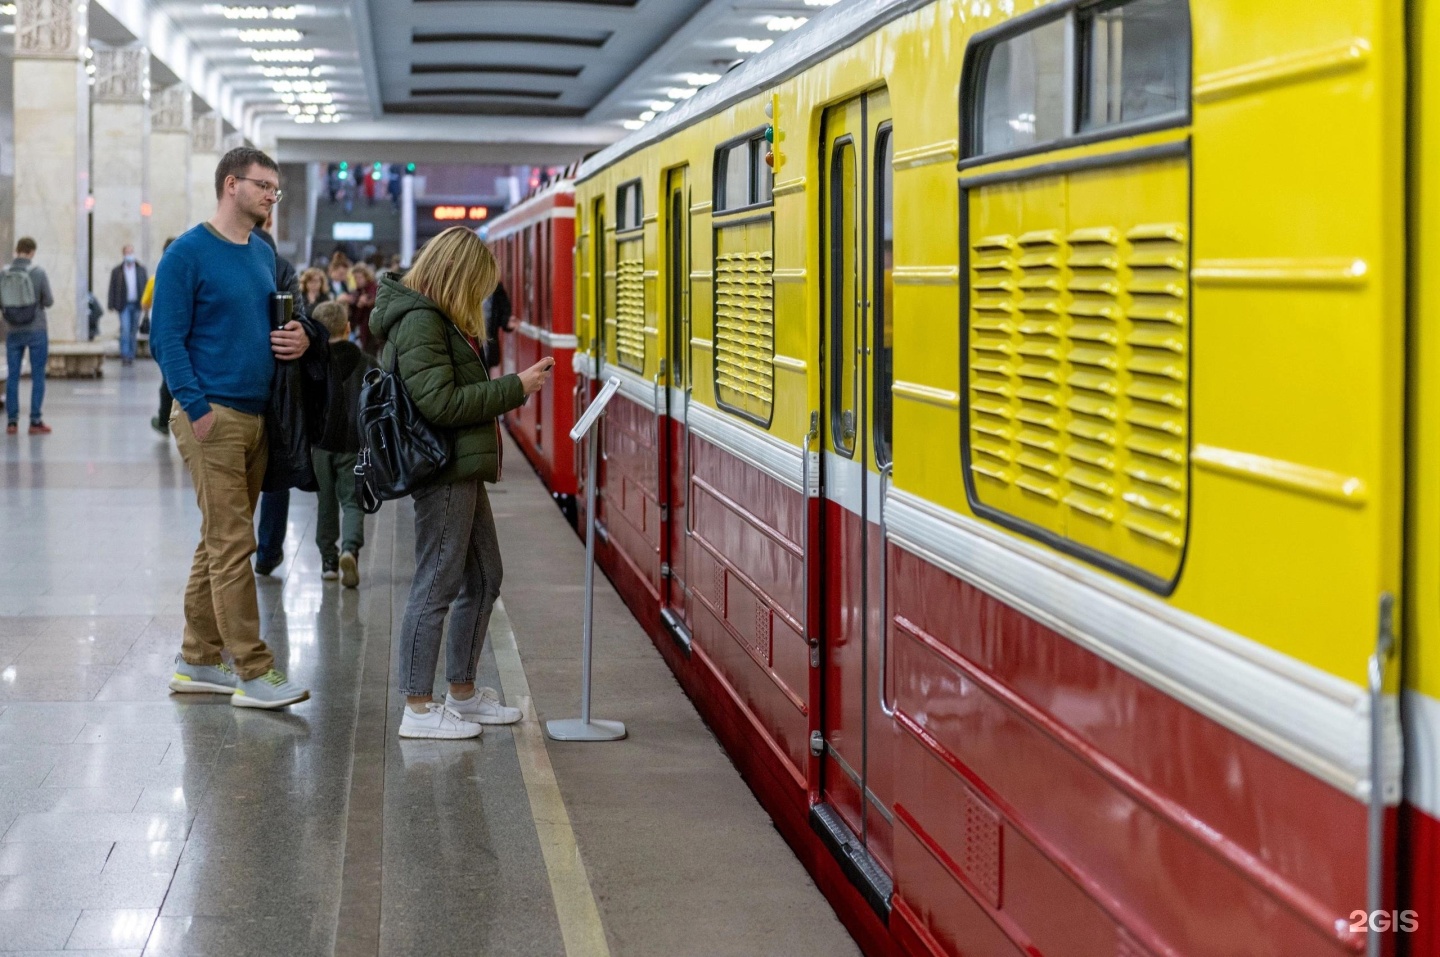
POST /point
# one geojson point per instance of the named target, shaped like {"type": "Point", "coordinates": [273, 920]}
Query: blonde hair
{"type": "Point", "coordinates": [315, 274]}
{"type": "Point", "coordinates": [457, 272]}
{"type": "Point", "coordinates": [334, 316]}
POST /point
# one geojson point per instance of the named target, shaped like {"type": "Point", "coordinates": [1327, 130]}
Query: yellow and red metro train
{"type": "Point", "coordinates": [1028, 457]}
{"type": "Point", "coordinates": [534, 243]}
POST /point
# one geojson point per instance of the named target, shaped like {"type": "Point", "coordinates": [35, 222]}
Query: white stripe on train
{"type": "Point", "coordinates": [1314, 720]}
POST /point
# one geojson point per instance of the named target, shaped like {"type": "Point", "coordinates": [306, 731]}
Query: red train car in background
{"type": "Point", "coordinates": [534, 244]}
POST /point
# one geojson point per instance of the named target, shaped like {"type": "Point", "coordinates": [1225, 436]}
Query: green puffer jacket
{"type": "Point", "coordinates": [450, 386]}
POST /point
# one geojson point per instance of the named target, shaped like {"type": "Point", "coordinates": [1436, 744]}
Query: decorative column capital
{"type": "Point", "coordinates": [170, 109]}
{"type": "Point", "coordinates": [53, 29]}
{"type": "Point", "coordinates": [205, 133]}
{"type": "Point", "coordinates": [121, 76]}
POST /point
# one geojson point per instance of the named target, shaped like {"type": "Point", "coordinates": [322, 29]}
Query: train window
{"type": "Point", "coordinates": [527, 292]}
{"type": "Point", "coordinates": [542, 266]}
{"type": "Point", "coordinates": [735, 166]}
{"type": "Point", "coordinates": [1135, 62]}
{"type": "Point", "coordinates": [1022, 90]}
{"type": "Point", "coordinates": [884, 331]}
{"type": "Point", "coordinates": [764, 175]}
{"type": "Point", "coordinates": [629, 207]}
{"type": "Point", "coordinates": [843, 294]}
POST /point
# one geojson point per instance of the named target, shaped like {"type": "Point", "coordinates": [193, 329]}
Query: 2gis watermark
{"type": "Point", "coordinates": [1384, 921]}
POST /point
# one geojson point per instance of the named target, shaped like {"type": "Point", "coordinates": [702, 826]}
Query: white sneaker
{"type": "Point", "coordinates": [483, 707]}
{"type": "Point", "coordinates": [438, 721]}
{"type": "Point", "coordinates": [349, 570]}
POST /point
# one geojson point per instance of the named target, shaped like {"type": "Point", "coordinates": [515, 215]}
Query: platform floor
{"type": "Point", "coordinates": [133, 821]}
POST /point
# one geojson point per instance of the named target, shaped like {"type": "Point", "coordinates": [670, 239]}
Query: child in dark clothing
{"type": "Point", "coordinates": [335, 451]}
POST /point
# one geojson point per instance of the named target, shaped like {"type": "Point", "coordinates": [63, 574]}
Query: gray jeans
{"type": "Point", "coordinates": [457, 568]}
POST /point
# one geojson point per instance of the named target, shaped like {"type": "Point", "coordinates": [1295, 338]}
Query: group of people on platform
{"type": "Point", "coordinates": [210, 307]}
{"type": "Point", "coordinates": [211, 332]}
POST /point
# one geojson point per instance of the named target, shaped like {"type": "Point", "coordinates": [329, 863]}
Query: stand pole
{"type": "Point", "coordinates": [587, 639]}
{"type": "Point", "coordinates": [583, 728]}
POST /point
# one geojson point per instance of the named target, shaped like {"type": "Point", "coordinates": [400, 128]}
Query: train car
{"type": "Point", "coordinates": [1011, 461]}
{"type": "Point", "coordinates": [534, 243]}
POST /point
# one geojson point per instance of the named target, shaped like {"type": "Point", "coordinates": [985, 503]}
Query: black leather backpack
{"type": "Point", "coordinates": [401, 450]}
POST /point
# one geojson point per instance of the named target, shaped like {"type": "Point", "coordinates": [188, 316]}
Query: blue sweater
{"type": "Point", "coordinates": [210, 322]}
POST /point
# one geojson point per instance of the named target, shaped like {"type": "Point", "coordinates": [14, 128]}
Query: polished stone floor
{"type": "Point", "coordinates": [133, 821]}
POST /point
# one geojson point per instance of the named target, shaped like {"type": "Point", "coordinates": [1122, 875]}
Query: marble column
{"type": "Point", "coordinates": [169, 165]}
{"type": "Point", "coordinates": [206, 144]}
{"type": "Point", "coordinates": [52, 152]}
{"type": "Point", "coordinates": [119, 121]}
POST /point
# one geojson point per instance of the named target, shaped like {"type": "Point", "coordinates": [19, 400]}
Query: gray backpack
{"type": "Point", "coordinates": [18, 301]}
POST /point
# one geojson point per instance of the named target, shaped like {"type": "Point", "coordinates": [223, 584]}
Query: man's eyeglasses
{"type": "Point", "coordinates": [270, 189]}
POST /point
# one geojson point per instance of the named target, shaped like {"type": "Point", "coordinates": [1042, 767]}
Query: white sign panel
{"type": "Point", "coordinates": [353, 232]}
{"type": "Point", "coordinates": [596, 407]}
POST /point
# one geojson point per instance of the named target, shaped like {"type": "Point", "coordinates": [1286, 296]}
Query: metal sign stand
{"type": "Point", "coordinates": [584, 728]}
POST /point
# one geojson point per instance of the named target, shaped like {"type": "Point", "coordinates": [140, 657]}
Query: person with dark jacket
{"type": "Point", "coordinates": [497, 317]}
{"type": "Point", "coordinates": [335, 450]}
{"type": "Point", "coordinates": [274, 511]}
{"type": "Point", "coordinates": [430, 322]}
{"type": "Point", "coordinates": [127, 286]}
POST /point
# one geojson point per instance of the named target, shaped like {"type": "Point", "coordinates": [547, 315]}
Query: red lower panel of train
{"type": "Point", "coordinates": [541, 427]}
{"type": "Point", "coordinates": [1044, 800]}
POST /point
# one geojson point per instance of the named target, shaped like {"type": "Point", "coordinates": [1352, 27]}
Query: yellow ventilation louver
{"type": "Point", "coordinates": [1078, 361]}
{"type": "Point", "coordinates": [630, 306]}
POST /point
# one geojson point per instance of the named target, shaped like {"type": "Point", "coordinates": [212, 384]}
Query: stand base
{"type": "Point", "coordinates": [576, 729]}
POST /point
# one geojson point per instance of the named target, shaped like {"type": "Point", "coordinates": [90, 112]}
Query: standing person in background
{"type": "Point", "coordinates": [314, 290]}
{"type": "Point", "coordinates": [161, 422]}
{"type": "Point", "coordinates": [362, 278]}
{"type": "Point", "coordinates": [340, 277]}
{"type": "Point", "coordinates": [430, 322]}
{"type": "Point", "coordinates": [24, 296]}
{"type": "Point", "coordinates": [497, 317]}
{"type": "Point", "coordinates": [335, 451]}
{"type": "Point", "coordinates": [275, 505]}
{"type": "Point", "coordinates": [127, 285]}
{"type": "Point", "coordinates": [212, 336]}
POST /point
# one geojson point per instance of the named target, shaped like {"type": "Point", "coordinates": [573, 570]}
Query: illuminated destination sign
{"type": "Point", "coordinates": [458, 213]}
{"type": "Point", "coordinates": [352, 232]}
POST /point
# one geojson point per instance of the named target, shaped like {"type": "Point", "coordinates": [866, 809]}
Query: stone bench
{"type": "Point", "coordinates": [76, 360]}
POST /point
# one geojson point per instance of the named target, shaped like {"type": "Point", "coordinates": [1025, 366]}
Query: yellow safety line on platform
{"type": "Point", "coordinates": [569, 883]}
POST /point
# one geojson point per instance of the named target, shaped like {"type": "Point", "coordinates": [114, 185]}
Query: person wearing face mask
{"type": "Point", "coordinates": [127, 284]}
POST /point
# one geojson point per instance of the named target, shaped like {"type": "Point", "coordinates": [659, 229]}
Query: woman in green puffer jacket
{"type": "Point", "coordinates": [431, 321]}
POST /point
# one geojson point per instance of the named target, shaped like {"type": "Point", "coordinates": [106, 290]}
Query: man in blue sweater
{"type": "Point", "coordinates": [210, 332]}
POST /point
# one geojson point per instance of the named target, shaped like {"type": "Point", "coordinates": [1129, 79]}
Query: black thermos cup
{"type": "Point", "coordinates": [282, 309]}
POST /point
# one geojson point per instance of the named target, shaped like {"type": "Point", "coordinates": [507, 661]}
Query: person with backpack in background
{"type": "Point", "coordinates": [24, 296]}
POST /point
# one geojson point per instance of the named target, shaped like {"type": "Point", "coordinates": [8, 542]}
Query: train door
{"type": "Point", "coordinates": [676, 451]}
{"type": "Point", "coordinates": [854, 726]}
{"type": "Point", "coordinates": [586, 390]}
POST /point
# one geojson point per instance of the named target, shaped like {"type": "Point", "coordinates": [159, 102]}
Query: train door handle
{"type": "Point", "coordinates": [810, 437]}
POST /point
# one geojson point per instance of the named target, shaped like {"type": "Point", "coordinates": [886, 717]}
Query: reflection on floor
{"type": "Point", "coordinates": [134, 821]}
